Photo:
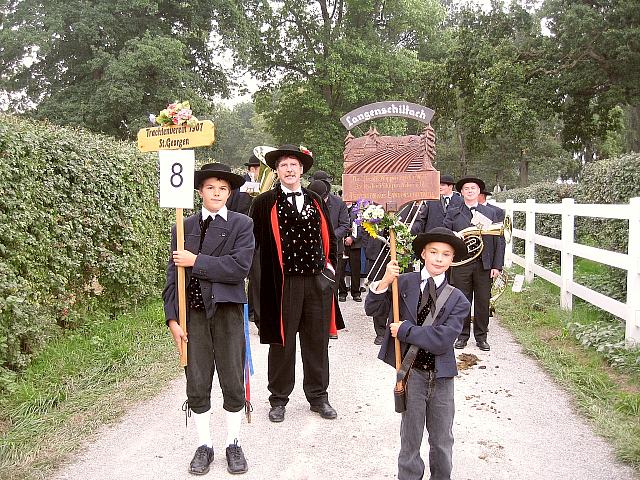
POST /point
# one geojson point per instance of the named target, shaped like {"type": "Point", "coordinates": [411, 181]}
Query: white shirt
{"type": "Point", "coordinates": [424, 276]}
{"type": "Point", "coordinates": [222, 212]}
{"type": "Point", "coordinates": [299, 198]}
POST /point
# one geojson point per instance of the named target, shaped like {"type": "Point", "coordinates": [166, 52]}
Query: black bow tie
{"type": "Point", "coordinates": [293, 194]}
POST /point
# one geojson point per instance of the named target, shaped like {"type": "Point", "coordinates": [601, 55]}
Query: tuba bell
{"type": "Point", "coordinates": [266, 176]}
{"type": "Point", "coordinates": [472, 237]}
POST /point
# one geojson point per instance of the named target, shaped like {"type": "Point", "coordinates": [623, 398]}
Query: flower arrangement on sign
{"type": "Point", "coordinates": [377, 222]}
{"type": "Point", "coordinates": [176, 113]}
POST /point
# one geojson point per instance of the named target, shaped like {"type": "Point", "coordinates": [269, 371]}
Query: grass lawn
{"type": "Point", "coordinates": [81, 381]}
{"type": "Point", "coordinates": [609, 397]}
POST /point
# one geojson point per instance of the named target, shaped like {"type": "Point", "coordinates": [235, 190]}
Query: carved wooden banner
{"type": "Point", "coordinates": [390, 171]}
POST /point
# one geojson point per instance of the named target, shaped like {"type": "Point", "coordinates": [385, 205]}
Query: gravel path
{"type": "Point", "coordinates": [512, 422]}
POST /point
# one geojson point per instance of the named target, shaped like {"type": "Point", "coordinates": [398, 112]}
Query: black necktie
{"type": "Point", "coordinates": [293, 194]}
{"type": "Point", "coordinates": [429, 295]}
{"type": "Point", "coordinates": [203, 229]}
{"type": "Point", "coordinates": [431, 284]}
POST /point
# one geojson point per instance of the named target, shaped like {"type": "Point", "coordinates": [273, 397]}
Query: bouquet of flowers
{"type": "Point", "coordinates": [377, 222]}
{"type": "Point", "coordinates": [176, 113]}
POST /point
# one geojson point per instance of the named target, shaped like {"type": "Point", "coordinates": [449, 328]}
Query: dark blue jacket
{"type": "Point", "coordinates": [339, 217]}
{"type": "Point", "coordinates": [437, 338]}
{"type": "Point", "coordinates": [459, 218]}
{"type": "Point", "coordinates": [432, 214]}
{"type": "Point", "coordinates": [221, 266]}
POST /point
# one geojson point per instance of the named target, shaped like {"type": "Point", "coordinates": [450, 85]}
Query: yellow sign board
{"type": "Point", "coordinates": [176, 137]}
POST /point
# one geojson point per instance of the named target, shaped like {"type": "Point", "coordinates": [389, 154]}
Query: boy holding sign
{"type": "Point", "coordinates": [431, 317]}
{"type": "Point", "coordinates": [217, 256]}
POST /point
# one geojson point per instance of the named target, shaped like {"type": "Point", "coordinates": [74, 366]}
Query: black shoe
{"type": "Point", "coordinates": [201, 460]}
{"type": "Point", "coordinates": [357, 298]}
{"type": "Point", "coordinates": [483, 345]}
{"type": "Point", "coordinates": [325, 410]}
{"type": "Point", "coordinates": [460, 344]}
{"type": "Point", "coordinates": [276, 414]}
{"type": "Point", "coordinates": [236, 463]}
{"type": "Point", "coordinates": [342, 297]}
{"type": "Point", "coordinates": [378, 340]}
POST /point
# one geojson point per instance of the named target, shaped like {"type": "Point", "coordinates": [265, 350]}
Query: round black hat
{"type": "Point", "coordinates": [301, 153]}
{"type": "Point", "coordinates": [440, 234]}
{"type": "Point", "coordinates": [460, 183]}
{"type": "Point", "coordinates": [218, 170]}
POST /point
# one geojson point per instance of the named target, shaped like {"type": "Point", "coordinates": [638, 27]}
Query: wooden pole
{"type": "Point", "coordinates": [395, 306]}
{"type": "Point", "coordinates": [182, 294]}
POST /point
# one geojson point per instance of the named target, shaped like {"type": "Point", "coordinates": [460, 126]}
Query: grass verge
{"type": "Point", "coordinates": [609, 397]}
{"type": "Point", "coordinates": [81, 381]}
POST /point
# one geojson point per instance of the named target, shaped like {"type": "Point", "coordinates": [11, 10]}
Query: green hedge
{"type": "Point", "coordinates": [80, 227]}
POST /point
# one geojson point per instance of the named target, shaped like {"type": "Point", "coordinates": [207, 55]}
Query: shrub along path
{"type": "Point", "coordinates": [512, 422]}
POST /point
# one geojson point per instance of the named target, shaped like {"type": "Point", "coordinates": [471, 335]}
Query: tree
{"type": "Point", "coordinates": [107, 65]}
{"type": "Point", "coordinates": [319, 59]}
{"type": "Point", "coordinates": [593, 54]}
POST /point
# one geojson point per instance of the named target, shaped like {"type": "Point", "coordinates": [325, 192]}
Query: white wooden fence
{"type": "Point", "coordinates": [568, 209]}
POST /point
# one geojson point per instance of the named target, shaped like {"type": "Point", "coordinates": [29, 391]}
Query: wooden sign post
{"type": "Point", "coordinates": [177, 169]}
{"type": "Point", "coordinates": [390, 171]}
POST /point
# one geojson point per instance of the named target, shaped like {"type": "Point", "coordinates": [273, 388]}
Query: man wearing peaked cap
{"type": "Point", "coordinates": [296, 251]}
{"type": "Point", "coordinates": [218, 249]}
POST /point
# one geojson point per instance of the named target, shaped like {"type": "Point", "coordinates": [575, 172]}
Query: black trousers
{"type": "Point", "coordinates": [216, 342]}
{"type": "Point", "coordinates": [354, 265]}
{"type": "Point", "coordinates": [475, 282]}
{"type": "Point", "coordinates": [306, 309]}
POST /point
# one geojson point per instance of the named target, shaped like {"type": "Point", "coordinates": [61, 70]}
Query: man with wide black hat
{"type": "Point", "coordinates": [218, 250]}
{"type": "Point", "coordinates": [296, 250]}
{"type": "Point", "coordinates": [253, 169]}
{"type": "Point", "coordinates": [474, 278]}
{"type": "Point", "coordinates": [433, 212]}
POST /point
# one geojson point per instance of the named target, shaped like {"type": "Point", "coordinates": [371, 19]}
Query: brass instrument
{"type": "Point", "coordinates": [266, 176]}
{"type": "Point", "coordinates": [498, 287]}
{"type": "Point", "coordinates": [472, 237]}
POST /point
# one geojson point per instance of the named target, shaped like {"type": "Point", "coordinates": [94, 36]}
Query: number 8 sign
{"type": "Point", "coordinates": [176, 178]}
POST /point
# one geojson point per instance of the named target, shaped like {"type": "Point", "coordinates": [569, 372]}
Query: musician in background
{"type": "Point", "coordinates": [253, 169]}
{"type": "Point", "coordinates": [474, 278]}
{"type": "Point", "coordinates": [433, 211]}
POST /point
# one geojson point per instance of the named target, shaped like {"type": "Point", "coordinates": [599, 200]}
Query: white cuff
{"type": "Point", "coordinates": [373, 288]}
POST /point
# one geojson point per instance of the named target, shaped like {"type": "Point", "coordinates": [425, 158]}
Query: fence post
{"type": "Point", "coordinates": [632, 330]}
{"type": "Point", "coordinates": [529, 244]}
{"type": "Point", "coordinates": [508, 250]}
{"type": "Point", "coordinates": [566, 255]}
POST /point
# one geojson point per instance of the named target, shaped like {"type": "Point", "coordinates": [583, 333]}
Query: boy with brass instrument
{"type": "Point", "coordinates": [217, 254]}
{"type": "Point", "coordinates": [432, 313]}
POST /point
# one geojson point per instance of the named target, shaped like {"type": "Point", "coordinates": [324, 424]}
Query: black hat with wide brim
{"type": "Point", "coordinates": [448, 179]}
{"type": "Point", "coordinates": [440, 234]}
{"type": "Point", "coordinates": [320, 187]}
{"type": "Point", "coordinates": [300, 153]}
{"type": "Point", "coordinates": [217, 170]}
{"type": "Point", "coordinates": [253, 162]}
{"type": "Point", "coordinates": [321, 175]}
{"type": "Point", "coordinates": [460, 183]}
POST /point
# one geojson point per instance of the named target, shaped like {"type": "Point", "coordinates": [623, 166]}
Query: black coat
{"type": "Point", "coordinates": [221, 266]}
{"type": "Point", "coordinates": [459, 218]}
{"type": "Point", "coordinates": [432, 214]}
{"type": "Point", "coordinates": [271, 277]}
{"type": "Point", "coordinates": [339, 216]}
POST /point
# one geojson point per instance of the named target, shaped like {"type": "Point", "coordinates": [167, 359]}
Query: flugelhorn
{"type": "Point", "coordinates": [472, 237]}
{"type": "Point", "coordinates": [266, 176]}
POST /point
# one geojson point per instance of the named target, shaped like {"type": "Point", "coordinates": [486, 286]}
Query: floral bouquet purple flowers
{"type": "Point", "coordinates": [377, 223]}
